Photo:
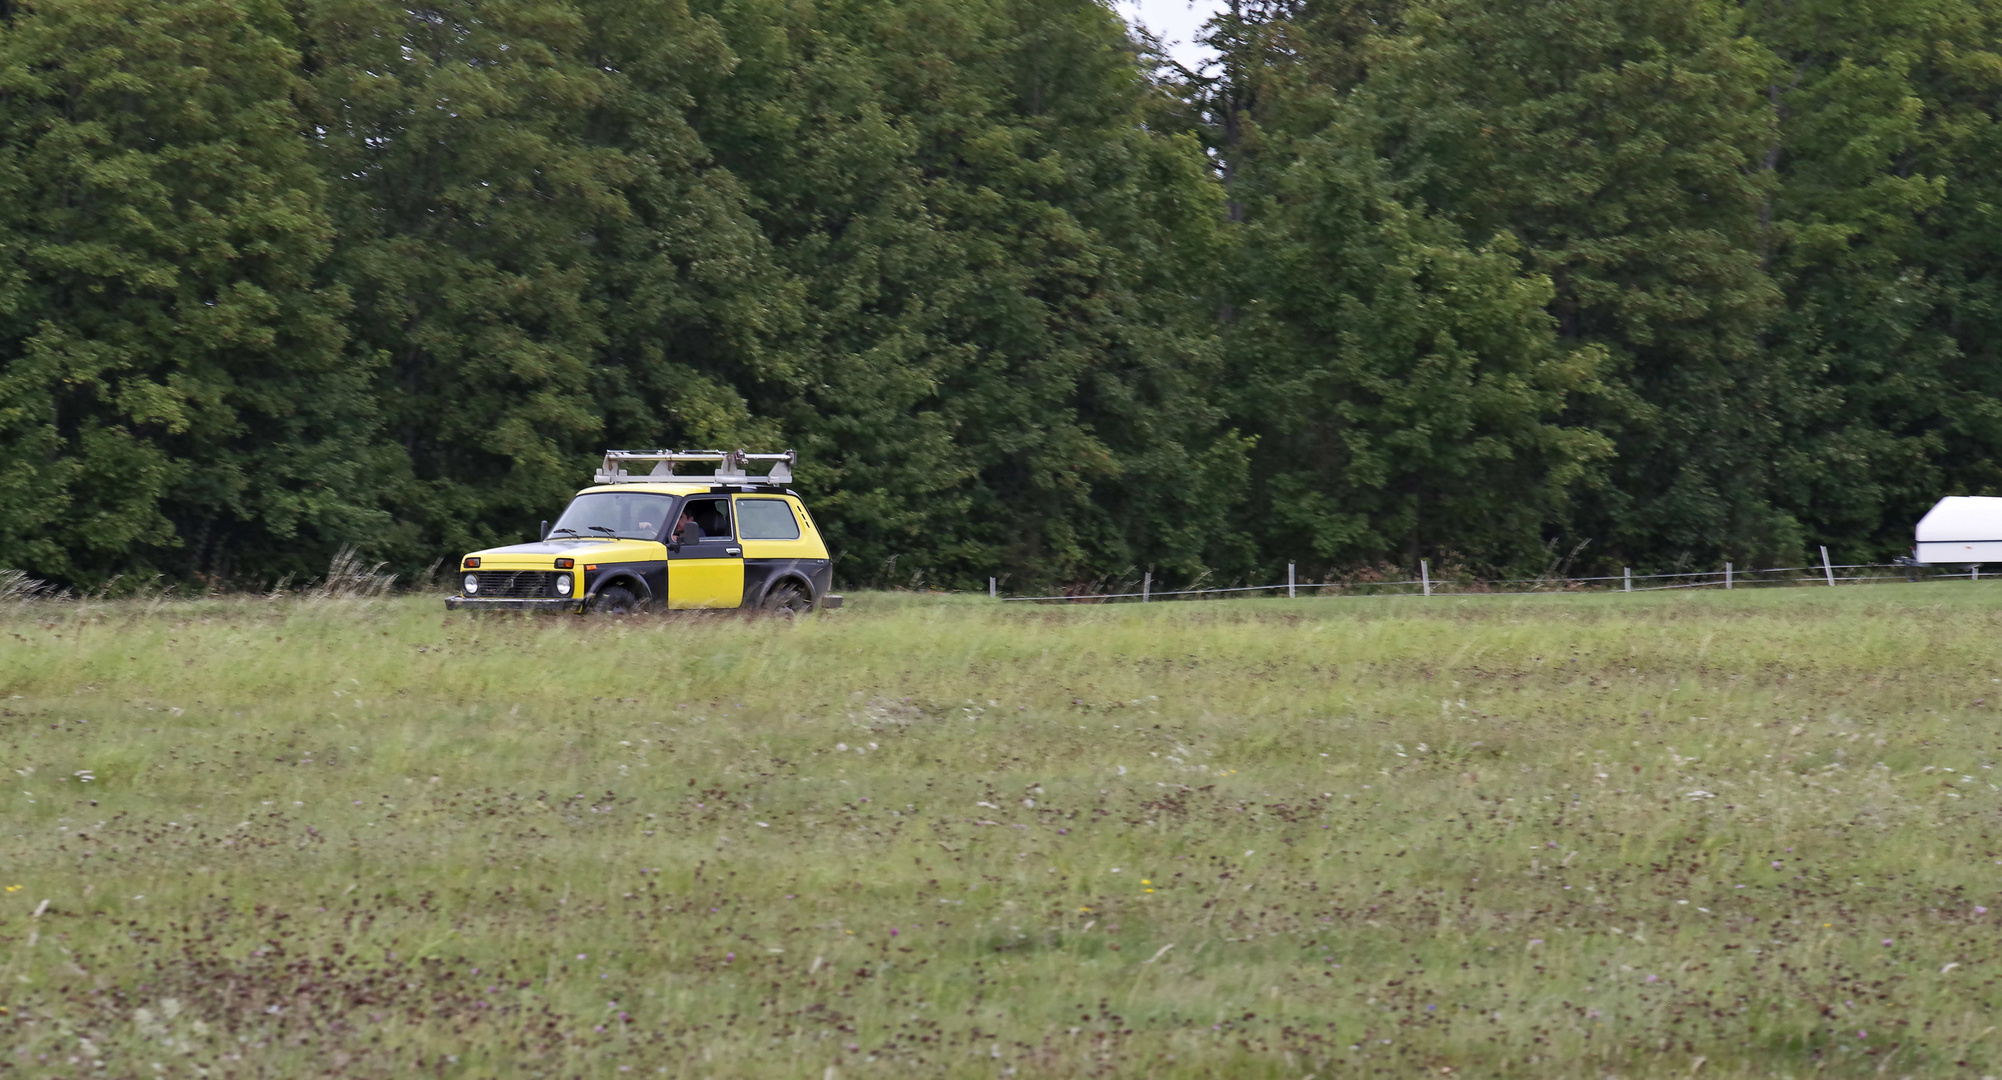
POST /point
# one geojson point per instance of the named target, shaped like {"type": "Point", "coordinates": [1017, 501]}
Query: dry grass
{"type": "Point", "coordinates": [1747, 834]}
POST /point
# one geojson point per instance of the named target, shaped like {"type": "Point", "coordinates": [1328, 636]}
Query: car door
{"type": "Point", "coordinates": [774, 544]}
{"type": "Point", "coordinates": [707, 573]}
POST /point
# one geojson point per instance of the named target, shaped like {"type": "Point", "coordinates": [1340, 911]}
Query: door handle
{"type": "Point", "coordinates": [733, 551]}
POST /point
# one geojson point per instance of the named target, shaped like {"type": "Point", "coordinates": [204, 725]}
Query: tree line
{"type": "Point", "coordinates": [1508, 286]}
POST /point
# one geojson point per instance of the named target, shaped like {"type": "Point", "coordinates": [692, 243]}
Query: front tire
{"type": "Point", "coordinates": [616, 600]}
{"type": "Point", "coordinates": [786, 600]}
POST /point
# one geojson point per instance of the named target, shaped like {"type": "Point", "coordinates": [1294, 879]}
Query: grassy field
{"type": "Point", "coordinates": [1744, 834]}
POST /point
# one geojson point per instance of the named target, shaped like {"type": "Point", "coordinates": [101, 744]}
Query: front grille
{"type": "Point", "coordinates": [515, 584]}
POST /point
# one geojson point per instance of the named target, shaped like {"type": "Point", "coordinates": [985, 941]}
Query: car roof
{"type": "Point", "coordinates": [694, 486]}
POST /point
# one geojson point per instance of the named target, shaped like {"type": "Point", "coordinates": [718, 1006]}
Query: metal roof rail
{"type": "Point", "coordinates": [731, 467]}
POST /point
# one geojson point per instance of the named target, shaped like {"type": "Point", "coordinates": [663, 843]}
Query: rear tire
{"type": "Point", "coordinates": [786, 600]}
{"type": "Point", "coordinates": [616, 600]}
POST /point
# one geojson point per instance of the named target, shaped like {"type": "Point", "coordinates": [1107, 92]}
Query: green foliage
{"type": "Point", "coordinates": [1771, 218]}
{"type": "Point", "coordinates": [1408, 389]}
{"type": "Point", "coordinates": [468, 203]}
{"type": "Point", "coordinates": [1658, 283]}
{"type": "Point", "coordinates": [176, 395]}
{"type": "Point", "coordinates": [935, 268]}
{"type": "Point", "coordinates": [1883, 161]}
{"type": "Point", "coordinates": [999, 373]}
{"type": "Point", "coordinates": [1614, 142]}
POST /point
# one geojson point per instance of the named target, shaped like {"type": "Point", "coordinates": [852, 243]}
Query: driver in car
{"type": "Point", "coordinates": [687, 531]}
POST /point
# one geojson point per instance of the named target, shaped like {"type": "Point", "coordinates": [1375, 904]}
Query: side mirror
{"type": "Point", "coordinates": [674, 545]}
{"type": "Point", "coordinates": [545, 529]}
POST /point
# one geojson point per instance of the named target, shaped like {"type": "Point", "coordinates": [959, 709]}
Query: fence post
{"type": "Point", "coordinates": [1827, 570]}
{"type": "Point", "coordinates": [1425, 575]}
{"type": "Point", "coordinates": [1727, 575]}
{"type": "Point", "coordinates": [1627, 572]}
{"type": "Point", "coordinates": [1289, 581]}
{"type": "Point", "coordinates": [992, 592]}
{"type": "Point", "coordinates": [1146, 586]}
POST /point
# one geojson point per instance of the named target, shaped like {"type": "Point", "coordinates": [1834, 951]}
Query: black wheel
{"type": "Point", "coordinates": [787, 599]}
{"type": "Point", "coordinates": [615, 600]}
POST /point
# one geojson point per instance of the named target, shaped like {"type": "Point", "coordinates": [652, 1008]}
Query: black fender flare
{"type": "Point", "coordinates": [781, 578]}
{"type": "Point", "coordinates": [630, 580]}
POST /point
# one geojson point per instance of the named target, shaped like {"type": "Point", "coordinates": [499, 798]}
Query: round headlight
{"type": "Point", "coordinates": [563, 584]}
{"type": "Point", "coordinates": [472, 584]}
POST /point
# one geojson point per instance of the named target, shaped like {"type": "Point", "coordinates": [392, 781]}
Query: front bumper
{"type": "Point", "coordinates": [477, 603]}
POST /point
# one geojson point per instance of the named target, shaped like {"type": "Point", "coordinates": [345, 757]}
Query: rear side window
{"type": "Point", "coordinates": [766, 519]}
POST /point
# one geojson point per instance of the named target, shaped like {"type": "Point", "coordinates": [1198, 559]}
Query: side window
{"type": "Point", "coordinates": [766, 519]}
{"type": "Point", "coordinates": [713, 515]}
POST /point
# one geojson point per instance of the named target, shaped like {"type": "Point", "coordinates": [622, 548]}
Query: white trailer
{"type": "Point", "coordinates": [1962, 530]}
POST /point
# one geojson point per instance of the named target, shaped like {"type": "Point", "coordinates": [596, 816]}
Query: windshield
{"type": "Point", "coordinates": [631, 514]}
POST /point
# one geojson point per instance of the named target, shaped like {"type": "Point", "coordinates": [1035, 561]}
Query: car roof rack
{"type": "Point", "coordinates": [731, 467]}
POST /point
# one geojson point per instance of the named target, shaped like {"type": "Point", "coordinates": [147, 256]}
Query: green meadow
{"type": "Point", "coordinates": [1723, 834]}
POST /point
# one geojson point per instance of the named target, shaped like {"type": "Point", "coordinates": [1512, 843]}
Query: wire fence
{"type": "Point", "coordinates": [1826, 574]}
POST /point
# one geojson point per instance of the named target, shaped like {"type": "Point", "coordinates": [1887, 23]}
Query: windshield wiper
{"type": "Point", "coordinates": [613, 533]}
{"type": "Point", "coordinates": [572, 532]}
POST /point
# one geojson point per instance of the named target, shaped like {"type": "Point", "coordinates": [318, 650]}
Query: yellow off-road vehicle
{"type": "Point", "coordinates": [658, 540]}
